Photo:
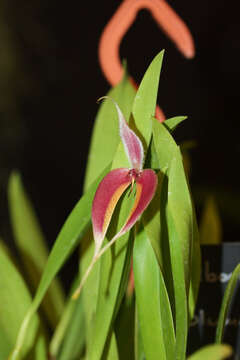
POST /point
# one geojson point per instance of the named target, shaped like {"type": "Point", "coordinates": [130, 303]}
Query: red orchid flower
{"type": "Point", "coordinates": [113, 186]}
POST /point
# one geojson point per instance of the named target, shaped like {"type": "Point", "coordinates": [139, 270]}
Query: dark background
{"type": "Point", "coordinates": [50, 79]}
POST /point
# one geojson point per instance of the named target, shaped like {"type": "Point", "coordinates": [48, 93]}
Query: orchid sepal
{"type": "Point", "coordinates": [132, 144]}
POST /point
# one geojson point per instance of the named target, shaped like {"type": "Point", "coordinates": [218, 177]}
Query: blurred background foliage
{"type": "Point", "coordinates": [50, 80]}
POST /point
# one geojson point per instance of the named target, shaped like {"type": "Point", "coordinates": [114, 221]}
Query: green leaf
{"type": "Point", "coordinates": [31, 245]}
{"type": "Point", "coordinates": [90, 289]}
{"type": "Point", "coordinates": [180, 205]}
{"type": "Point", "coordinates": [138, 343]}
{"type": "Point", "coordinates": [151, 161]}
{"type": "Point", "coordinates": [61, 329]}
{"type": "Point", "coordinates": [179, 199]}
{"type": "Point", "coordinates": [40, 349]}
{"type": "Point", "coordinates": [105, 137]}
{"type": "Point", "coordinates": [74, 336]}
{"type": "Point", "coordinates": [153, 305]}
{"type": "Point", "coordinates": [195, 275]}
{"type": "Point", "coordinates": [226, 303]}
{"type": "Point", "coordinates": [164, 144]}
{"type": "Point", "coordinates": [113, 349]}
{"type": "Point", "coordinates": [144, 104]}
{"type": "Point", "coordinates": [15, 300]}
{"type": "Point", "coordinates": [179, 228]}
{"type": "Point", "coordinates": [173, 122]}
{"type": "Point", "coordinates": [68, 238]}
{"type": "Point", "coordinates": [151, 221]}
{"type": "Point", "coordinates": [212, 352]}
{"type": "Point", "coordinates": [180, 297]}
{"type": "Point", "coordinates": [210, 225]}
{"type": "Point", "coordinates": [69, 336]}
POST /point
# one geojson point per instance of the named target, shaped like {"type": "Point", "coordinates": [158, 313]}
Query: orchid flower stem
{"type": "Point", "coordinates": [95, 258]}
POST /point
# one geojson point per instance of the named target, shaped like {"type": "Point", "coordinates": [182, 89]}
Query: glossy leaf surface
{"type": "Point", "coordinates": [144, 104]}
{"type": "Point", "coordinates": [177, 218]}
{"type": "Point", "coordinates": [154, 311]}
{"type": "Point", "coordinates": [179, 198]}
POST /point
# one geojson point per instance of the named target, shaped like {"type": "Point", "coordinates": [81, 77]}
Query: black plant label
{"type": "Point", "coordinates": [218, 262]}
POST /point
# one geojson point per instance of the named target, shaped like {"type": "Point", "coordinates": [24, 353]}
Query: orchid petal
{"type": "Point", "coordinates": [132, 144]}
{"type": "Point", "coordinates": [146, 184]}
{"type": "Point", "coordinates": [107, 195]}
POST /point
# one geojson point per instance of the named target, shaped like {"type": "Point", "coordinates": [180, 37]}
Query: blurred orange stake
{"type": "Point", "coordinates": [123, 18]}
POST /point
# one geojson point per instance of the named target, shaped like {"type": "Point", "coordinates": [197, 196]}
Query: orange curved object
{"type": "Point", "coordinates": [123, 18]}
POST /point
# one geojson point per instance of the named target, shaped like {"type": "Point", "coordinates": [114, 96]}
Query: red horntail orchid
{"type": "Point", "coordinates": [113, 186]}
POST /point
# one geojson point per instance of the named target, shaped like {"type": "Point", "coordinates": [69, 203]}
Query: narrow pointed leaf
{"type": "Point", "coordinates": [69, 336]}
{"type": "Point", "coordinates": [68, 238]}
{"type": "Point", "coordinates": [103, 148]}
{"type": "Point", "coordinates": [226, 303]}
{"type": "Point", "coordinates": [138, 343]}
{"type": "Point", "coordinates": [145, 100]}
{"type": "Point", "coordinates": [113, 348]}
{"type": "Point", "coordinates": [179, 201]}
{"type": "Point", "coordinates": [179, 198]}
{"type": "Point", "coordinates": [154, 311]}
{"type": "Point", "coordinates": [73, 342]}
{"type": "Point", "coordinates": [90, 289]}
{"type": "Point", "coordinates": [173, 122]}
{"type": "Point", "coordinates": [61, 329]}
{"type": "Point", "coordinates": [212, 352]}
{"type": "Point", "coordinates": [180, 298]}
{"type": "Point", "coordinates": [32, 247]}
{"type": "Point", "coordinates": [196, 268]}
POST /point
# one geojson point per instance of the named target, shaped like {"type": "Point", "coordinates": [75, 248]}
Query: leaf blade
{"type": "Point", "coordinates": [144, 104]}
{"type": "Point", "coordinates": [157, 334]}
{"type": "Point", "coordinates": [226, 303]}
